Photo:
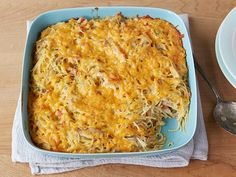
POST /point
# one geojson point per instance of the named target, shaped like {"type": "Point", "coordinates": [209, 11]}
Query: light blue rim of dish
{"type": "Point", "coordinates": [223, 68]}
{"type": "Point", "coordinates": [43, 21]}
{"type": "Point", "coordinates": [225, 27]}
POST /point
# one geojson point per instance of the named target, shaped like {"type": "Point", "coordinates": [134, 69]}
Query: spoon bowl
{"type": "Point", "coordinates": [225, 115]}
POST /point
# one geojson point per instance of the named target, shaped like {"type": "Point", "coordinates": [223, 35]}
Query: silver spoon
{"type": "Point", "coordinates": [225, 111]}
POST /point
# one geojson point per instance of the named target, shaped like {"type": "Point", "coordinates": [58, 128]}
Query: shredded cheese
{"type": "Point", "coordinates": [107, 85]}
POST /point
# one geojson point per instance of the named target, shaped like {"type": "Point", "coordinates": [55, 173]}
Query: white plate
{"type": "Point", "coordinates": [223, 68]}
{"type": "Point", "coordinates": [227, 42]}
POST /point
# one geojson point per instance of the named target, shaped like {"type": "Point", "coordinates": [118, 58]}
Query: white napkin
{"type": "Point", "coordinates": [39, 163]}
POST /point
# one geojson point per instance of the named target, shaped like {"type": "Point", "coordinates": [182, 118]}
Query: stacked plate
{"type": "Point", "coordinates": [225, 46]}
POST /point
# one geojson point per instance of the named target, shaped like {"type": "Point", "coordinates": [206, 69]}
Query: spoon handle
{"type": "Point", "coordinates": [200, 70]}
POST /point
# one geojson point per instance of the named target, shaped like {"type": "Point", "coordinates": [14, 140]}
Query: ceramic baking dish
{"type": "Point", "coordinates": [176, 138]}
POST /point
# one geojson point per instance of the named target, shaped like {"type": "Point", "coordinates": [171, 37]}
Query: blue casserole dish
{"type": "Point", "coordinates": [176, 138]}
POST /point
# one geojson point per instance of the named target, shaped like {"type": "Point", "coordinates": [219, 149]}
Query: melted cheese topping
{"type": "Point", "coordinates": [106, 85]}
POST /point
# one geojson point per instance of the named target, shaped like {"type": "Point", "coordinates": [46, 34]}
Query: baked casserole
{"type": "Point", "coordinates": [107, 85]}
